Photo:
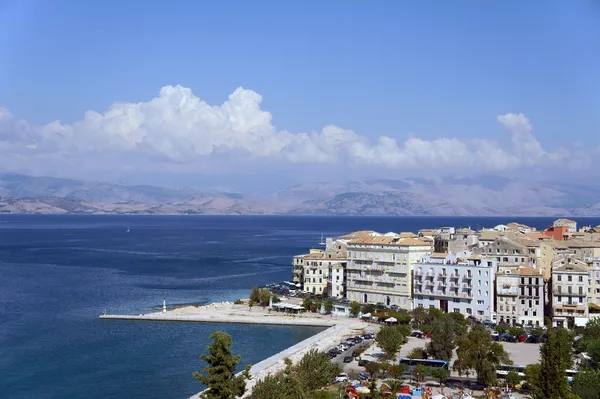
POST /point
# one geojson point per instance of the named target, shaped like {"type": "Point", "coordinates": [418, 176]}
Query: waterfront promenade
{"type": "Point", "coordinates": [337, 329]}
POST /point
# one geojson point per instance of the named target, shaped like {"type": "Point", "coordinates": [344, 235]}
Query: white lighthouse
{"type": "Point", "coordinates": [165, 304]}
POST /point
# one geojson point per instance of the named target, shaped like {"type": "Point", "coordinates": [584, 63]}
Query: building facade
{"type": "Point", "coordinates": [336, 280]}
{"type": "Point", "coordinates": [593, 265]}
{"type": "Point", "coordinates": [379, 268]}
{"type": "Point", "coordinates": [570, 224]}
{"type": "Point", "coordinates": [570, 287]}
{"type": "Point", "coordinates": [461, 283]}
{"type": "Point", "coordinates": [316, 272]}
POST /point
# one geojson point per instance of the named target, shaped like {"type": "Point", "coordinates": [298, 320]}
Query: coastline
{"type": "Point", "coordinates": [337, 328]}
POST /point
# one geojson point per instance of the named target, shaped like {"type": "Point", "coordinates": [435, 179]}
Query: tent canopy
{"type": "Point", "coordinates": [391, 320]}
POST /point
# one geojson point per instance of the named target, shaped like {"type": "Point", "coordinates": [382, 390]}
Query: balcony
{"type": "Point", "coordinates": [418, 273]}
{"type": "Point", "coordinates": [430, 274]}
{"type": "Point", "coordinates": [442, 275]}
{"type": "Point", "coordinates": [468, 276]}
{"type": "Point", "coordinates": [508, 291]}
{"type": "Point", "coordinates": [453, 275]}
{"type": "Point", "coordinates": [468, 286]}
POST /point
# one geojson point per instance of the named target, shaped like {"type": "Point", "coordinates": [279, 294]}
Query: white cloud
{"type": "Point", "coordinates": [178, 131]}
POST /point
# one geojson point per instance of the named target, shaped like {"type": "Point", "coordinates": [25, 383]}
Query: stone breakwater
{"type": "Point", "coordinates": [338, 329]}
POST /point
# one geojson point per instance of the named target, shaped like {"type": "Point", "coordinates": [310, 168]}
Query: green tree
{"type": "Point", "coordinates": [419, 372]}
{"type": "Point", "coordinates": [587, 384]}
{"type": "Point", "coordinates": [419, 316]}
{"type": "Point", "coordinates": [516, 331]}
{"type": "Point", "coordinates": [255, 295]}
{"type": "Point", "coordinates": [328, 304]}
{"type": "Point", "coordinates": [442, 336]}
{"type": "Point", "coordinates": [593, 350]}
{"type": "Point", "coordinates": [390, 339]}
{"type": "Point", "coordinates": [283, 386]}
{"type": "Point", "coordinates": [537, 332]}
{"type": "Point", "coordinates": [316, 370]}
{"type": "Point", "coordinates": [417, 353]}
{"type": "Point", "coordinates": [251, 303]}
{"type": "Point", "coordinates": [556, 359]}
{"type": "Point", "coordinates": [355, 309]}
{"type": "Point", "coordinates": [368, 308]}
{"type": "Point", "coordinates": [373, 368]}
{"type": "Point", "coordinates": [501, 328]}
{"type": "Point", "coordinates": [219, 377]}
{"type": "Point", "coordinates": [477, 351]}
{"type": "Point", "coordinates": [440, 374]}
{"type": "Point", "coordinates": [532, 375]}
{"type": "Point", "coordinates": [265, 297]}
{"type": "Point", "coordinates": [434, 313]}
{"type": "Point", "coordinates": [512, 378]}
{"type": "Point", "coordinates": [268, 388]}
{"type": "Point", "coordinates": [591, 330]}
{"type": "Point", "coordinates": [459, 322]}
{"type": "Point", "coordinates": [397, 371]}
{"type": "Point", "coordinates": [307, 303]}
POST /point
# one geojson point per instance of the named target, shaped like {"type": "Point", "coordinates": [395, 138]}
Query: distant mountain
{"type": "Point", "coordinates": [484, 195]}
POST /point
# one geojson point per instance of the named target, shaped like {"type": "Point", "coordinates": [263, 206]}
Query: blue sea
{"type": "Point", "coordinates": [59, 272]}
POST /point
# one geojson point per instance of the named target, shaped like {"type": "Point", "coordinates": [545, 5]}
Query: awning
{"type": "Point", "coordinates": [391, 320]}
{"type": "Point", "coordinates": [366, 315]}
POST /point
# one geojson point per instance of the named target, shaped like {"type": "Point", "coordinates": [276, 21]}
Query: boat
{"type": "Point", "coordinates": [128, 229]}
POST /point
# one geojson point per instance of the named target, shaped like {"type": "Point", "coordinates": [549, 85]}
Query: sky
{"type": "Point", "coordinates": [204, 92]}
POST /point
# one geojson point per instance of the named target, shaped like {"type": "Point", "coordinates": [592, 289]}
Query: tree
{"type": "Point", "coordinates": [251, 303]}
{"type": "Point", "coordinates": [587, 384]}
{"type": "Point", "coordinates": [419, 316]}
{"type": "Point", "coordinates": [440, 374]}
{"type": "Point", "coordinates": [417, 353]}
{"type": "Point", "coordinates": [283, 386]}
{"type": "Point", "coordinates": [556, 359]}
{"type": "Point", "coordinates": [220, 375]}
{"type": "Point", "coordinates": [532, 375]}
{"type": "Point", "coordinates": [255, 295]}
{"type": "Point", "coordinates": [307, 303]}
{"type": "Point", "coordinates": [477, 351]}
{"type": "Point", "coordinates": [317, 305]}
{"type": "Point", "coordinates": [459, 321]}
{"type": "Point", "coordinates": [537, 332]}
{"type": "Point", "coordinates": [390, 339]}
{"type": "Point", "coordinates": [591, 330]}
{"type": "Point", "coordinates": [442, 339]}
{"type": "Point", "coordinates": [593, 350]}
{"type": "Point", "coordinates": [397, 371]}
{"type": "Point", "coordinates": [516, 331]}
{"type": "Point", "coordinates": [355, 308]}
{"type": "Point", "coordinates": [316, 370]}
{"type": "Point", "coordinates": [368, 308]}
{"type": "Point", "coordinates": [419, 372]}
{"type": "Point", "coordinates": [501, 328]}
{"type": "Point", "coordinates": [512, 378]}
{"type": "Point", "coordinates": [328, 304]}
{"type": "Point", "coordinates": [265, 297]}
{"type": "Point", "coordinates": [372, 368]}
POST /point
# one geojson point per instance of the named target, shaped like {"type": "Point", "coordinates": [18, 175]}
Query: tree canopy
{"type": "Point", "coordinates": [556, 359]}
{"type": "Point", "coordinates": [443, 331]}
{"type": "Point", "coordinates": [587, 384]}
{"type": "Point", "coordinates": [390, 339]}
{"type": "Point", "coordinates": [220, 375]}
{"type": "Point", "coordinates": [477, 351]}
{"type": "Point", "coordinates": [355, 308]}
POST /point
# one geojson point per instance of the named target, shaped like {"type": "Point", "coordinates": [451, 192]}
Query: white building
{"type": "Point", "coordinates": [570, 289]}
{"type": "Point", "coordinates": [336, 280]}
{"type": "Point", "coordinates": [461, 283]}
{"type": "Point", "coordinates": [379, 268]}
{"type": "Point", "coordinates": [594, 280]}
{"type": "Point", "coordinates": [520, 296]}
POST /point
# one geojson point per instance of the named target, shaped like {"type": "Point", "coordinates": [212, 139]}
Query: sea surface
{"type": "Point", "coordinates": [59, 272]}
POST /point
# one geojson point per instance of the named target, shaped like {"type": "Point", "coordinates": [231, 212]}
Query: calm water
{"type": "Point", "coordinates": [57, 273]}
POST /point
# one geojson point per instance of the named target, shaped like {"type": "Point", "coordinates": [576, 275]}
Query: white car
{"type": "Point", "coordinates": [342, 377]}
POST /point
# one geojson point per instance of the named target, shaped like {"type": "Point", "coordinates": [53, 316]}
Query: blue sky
{"type": "Point", "coordinates": [433, 69]}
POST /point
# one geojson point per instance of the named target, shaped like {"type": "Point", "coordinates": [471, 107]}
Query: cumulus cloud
{"type": "Point", "coordinates": [180, 132]}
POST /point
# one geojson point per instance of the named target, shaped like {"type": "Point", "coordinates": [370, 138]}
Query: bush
{"type": "Point", "coordinates": [238, 302]}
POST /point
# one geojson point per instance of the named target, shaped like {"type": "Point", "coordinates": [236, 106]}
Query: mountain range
{"type": "Point", "coordinates": [482, 196]}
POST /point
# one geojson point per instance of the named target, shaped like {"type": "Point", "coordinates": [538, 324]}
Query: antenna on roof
{"type": "Point", "coordinates": [322, 242]}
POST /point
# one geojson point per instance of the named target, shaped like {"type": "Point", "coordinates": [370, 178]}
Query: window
{"type": "Point", "coordinates": [514, 308]}
{"type": "Point", "coordinates": [480, 302]}
{"type": "Point", "coordinates": [456, 310]}
{"type": "Point", "coordinates": [559, 298]}
{"type": "Point", "coordinates": [581, 279]}
{"type": "Point", "coordinates": [537, 302]}
{"type": "Point", "coordinates": [480, 312]}
{"type": "Point", "coordinates": [569, 278]}
{"type": "Point", "coordinates": [522, 301]}
{"type": "Point", "coordinates": [469, 311]}
{"type": "Point", "coordinates": [501, 308]}
{"type": "Point", "coordinates": [535, 313]}
{"type": "Point", "coordinates": [559, 277]}
{"type": "Point", "coordinates": [456, 300]}
{"type": "Point", "coordinates": [479, 273]}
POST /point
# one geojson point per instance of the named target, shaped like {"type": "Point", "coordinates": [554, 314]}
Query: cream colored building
{"type": "Point", "coordinates": [570, 287]}
{"type": "Point", "coordinates": [316, 271]}
{"type": "Point", "coordinates": [571, 224]}
{"type": "Point", "coordinates": [380, 268]}
{"type": "Point", "coordinates": [594, 280]}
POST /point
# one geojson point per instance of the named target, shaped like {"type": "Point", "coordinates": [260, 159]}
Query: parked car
{"type": "Point", "coordinates": [358, 339]}
{"type": "Point", "coordinates": [342, 377]}
{"type": "Point", "coordinates": [363, 376]}
{"type": "Point", "coordinates": [531, 340]}
{"type": "Point", "coordinates": [416, 334]}
{"type": "Point", "coordinates": [363, 362]}
{"type": "Point", "coordinates": [367, 336]}
{"type": "Point", "coordinates": [348, 359]}
{"type": "Point", "coordinates": [380, 305]}
{"type": "Point", "coordinates": [395, 308]}
{"type": "Point", "coordinates": [354, 354]}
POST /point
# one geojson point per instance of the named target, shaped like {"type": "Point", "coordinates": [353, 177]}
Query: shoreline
{"type": "Point", "coordinates": [337, 328]}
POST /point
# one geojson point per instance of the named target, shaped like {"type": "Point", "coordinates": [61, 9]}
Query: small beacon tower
{"type": "Point", "coordinates": [165, 304]}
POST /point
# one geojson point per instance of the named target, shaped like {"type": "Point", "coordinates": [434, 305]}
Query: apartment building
{"type": "Point", "coordinates": [379, 268]}
{"type": "Point", "coordinates": [334, 250]}
{"type": "Point", "coordinates": [520, 296]}
{"type": "Point", "coordinates": [336, 280]}
{"type": "Point", "coordinates": [316, 271]}
{"type": "Point", "coordinates": [456, 240]}
{"type": "Point", "coordinates": [570, 288]}
{"type": "Point", "coordinates": [512, 250]}
{"type": "Point", "coordinates": [593, 265]}
{"type": "Point", "coordinates": [462, 282]}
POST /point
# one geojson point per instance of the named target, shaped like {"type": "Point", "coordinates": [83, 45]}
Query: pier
{"type": "Point", "coordinates": [338, 328]}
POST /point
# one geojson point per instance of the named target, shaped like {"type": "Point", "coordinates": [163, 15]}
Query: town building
{"type": "Point", "coordinates": [379, 268]}
{"type": "Point", "coordinates": [512, 250]}
{"type": "Point", "coordinates": [452, 241]}
{"type": "Point", "coordinates": [316, 271]}
{"type": "Point", "coordinates": [558, 233]}
{"type": "Point", "coordinates": [462, 282]}
{"type": "Point", "coordinates": [570, 224]}
{"type": "Point", "coordinates": [593, 265]}
{"type": "Point", "coordinates": [336, 280]}
{"type": "Point", "coordinates": [570, 288]}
